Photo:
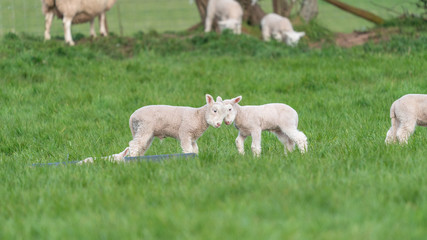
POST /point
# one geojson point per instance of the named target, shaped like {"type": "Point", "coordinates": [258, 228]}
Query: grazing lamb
{"type": "Point", "coordinates": [76, 11]}
{"type": "Point", "coordinates": [405, 113]}
{"type": "Point", "coordinates": [119, 157]}
{"type": "Point", "coordinates": [229, 15]}
{"type": "Point", "coordinates": [278, 118]}
{"type": "Point", "coordinates": [185, 124]}
{"type": "Point", "coordinates": [280, 28]}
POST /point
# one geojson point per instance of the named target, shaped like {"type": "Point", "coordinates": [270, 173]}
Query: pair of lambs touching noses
{"type": "Point", "coordinates": [187, 124]}
{"type": "Point", "coordinates": [229, 14]}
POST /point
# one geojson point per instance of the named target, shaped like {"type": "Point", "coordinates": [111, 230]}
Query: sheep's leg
{"type": "Point", "coordinates": [277, 36]}
{"type": "Point", "coordinates": [92, 28]}
{"type": "Point", "coordinates": [256, 142]}
{"type": "Point", "coordinates": [103, 25]}
{"type": "Point", "coordinates": [195, 147]}
{"type": "Point", "coordinates": [139, 145]}
{"type": "Point", "coordinates": [405, 130]}
{"type": "Point", "coordinates": [48, 23]}
{"type": "Point", "coordinates": [186, 144]}
{"type": "Point", "coordinates": [239, 28]}
{"type": "Point", "coordinates": [391, 134]}
{"type": "Point", "coordinates": [286, 141]}
{"type": "Point", "coordinates": [240, 143]}
{"type": "Point", "coordinates": [298, 137]}
{"type": "Point", "coordinates": [266, 34]}
{"type": "Point", "coordinates": [67, 30]}
{"type": "Point", "coordinates": [209, 17]}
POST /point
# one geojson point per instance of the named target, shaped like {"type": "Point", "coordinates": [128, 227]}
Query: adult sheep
{"type": "Point", "coordinates": [406, 113]}
{"type": "Point", "coordinates": [74, 12]}
{"type": "Point", "coordinates": [228, 12]}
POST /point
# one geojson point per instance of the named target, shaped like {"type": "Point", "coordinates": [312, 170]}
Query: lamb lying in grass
{"type": "Point", "coordinates": [406, 113]}
{"type": "Point", "coordinates": [76, 11]}
{"type": "Point", "coordinates": [278, 118]}
{"type": "Point", "coordinates": [185, 124]}
{"type": "Point", "coordinates": [280, 28]}
{"type": "Point", "coordinates": [228, 12]}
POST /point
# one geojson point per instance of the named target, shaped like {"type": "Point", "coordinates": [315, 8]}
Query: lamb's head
{"type": "Point", "coordinates": [292, 38]}
{"type": "Point", "coordinates": [231, 24]}
{"type": "Point", "coordinates": [230, 106]}
{"type": "Point", "coordinates": [215, 112]}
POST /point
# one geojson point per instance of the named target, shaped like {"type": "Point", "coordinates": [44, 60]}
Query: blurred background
{"type": "Point", "coordinates": [130, 16]}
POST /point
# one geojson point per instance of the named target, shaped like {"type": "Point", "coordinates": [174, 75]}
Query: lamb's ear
{"type": "Point", "coordinates": [218, 99]}
{"type": "Point", "coordinates": [236, 99]}
{"type": "Point", "coordinates": [209, 99]}
{"type": "Point", "coordinates": [301, 34]}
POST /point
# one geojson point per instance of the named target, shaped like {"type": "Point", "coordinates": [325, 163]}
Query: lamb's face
{"type": "Point", "coordinates": [231, 113]}
{"type": "Point", "coordinates": [215, 113]}
{"type": "Point", "coordinates": [292, 38]}
{"type": "Point", "coordinates": [231, 24]}
{"type": "Point", "coordinates": [230, 107]}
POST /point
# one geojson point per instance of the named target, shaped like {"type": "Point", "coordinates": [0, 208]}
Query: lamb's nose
{"type": "Point", "coordinates": [218, 124]}
{"type": "Point", "coordinates": [227, 122]}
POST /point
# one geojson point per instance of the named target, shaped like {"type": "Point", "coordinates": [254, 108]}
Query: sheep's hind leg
{"type": "Point", "coordinates": [298, 137]}
{"type": "Point", "coordinates": [404, 131]}
{"type": "Point", "coordinates": [391, 133]}
{"type": "Point", "coordinates": [139, 145]}
{"type": "Point", "coordinates": [48, 23]}
{"type": "Point", "coordinates": [289, 145]}
{"type": "Point", "coordinates": [92, 28]}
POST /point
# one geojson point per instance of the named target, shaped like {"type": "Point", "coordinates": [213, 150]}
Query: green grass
{"type": "Point", "coordinates": [57, 101]}
{"type": "Point", "coordinates": [129, 16]}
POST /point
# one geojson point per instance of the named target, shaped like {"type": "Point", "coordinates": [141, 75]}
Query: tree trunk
{"type": "Point", "coordinates": [283, 7]}
{"type": "Point", "coordinates": [251, 14]}
{"type": "Point", "coordinates": [309, 10]}
{"type": "Point", "coordinates": [357, 11]}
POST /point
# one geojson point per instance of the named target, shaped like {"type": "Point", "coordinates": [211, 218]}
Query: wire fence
{"type": "Point", "coordinates": [126, 17]}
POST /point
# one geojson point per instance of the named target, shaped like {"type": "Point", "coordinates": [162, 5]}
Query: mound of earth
{"type": "Point", "coordinates": [359, 38]}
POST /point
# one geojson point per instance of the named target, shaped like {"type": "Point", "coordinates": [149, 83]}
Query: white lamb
{"type": "Point", "coordinates": [228, 12]}
{"type": "Point", "coordinates": [278, 118]}
{"type": "Point", "coordinates": [406, 113]}
{"type": "Point", "coordinates": [76, 11]}
{"type": "Point", "coordinates": [280, 28]}
{"type": "Point", "coordinates": [185, 124]}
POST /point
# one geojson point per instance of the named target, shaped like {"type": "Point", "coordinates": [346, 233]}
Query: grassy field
{"type": "Point", "coordinates": [130, 16]}
{"type": "Point", "coordinates": [59, 103]}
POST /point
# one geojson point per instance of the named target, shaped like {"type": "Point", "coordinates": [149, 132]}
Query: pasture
{"type": "Point", "coordinates": [59, 103]}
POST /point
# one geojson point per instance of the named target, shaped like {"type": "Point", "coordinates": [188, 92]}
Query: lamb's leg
{"type": "Point", "coordinates": [405, 130]}
{"type": "Point", "coordinates": [139, 145]}
{"type": "Point", "coordinates": [209, 17]}
{"type": "Point", "coordinates": [256, 142]}
{"type": "Point", "coordinates": [298, 137]}
{"type": "Point", "coordinates": [391, 134]}
{"type": "Point", "coordinates": [266, 34]}
{"type": "Point", "coordinates": [240, 143]}
{"type": "Point", "coordinates": [103, 25]}
{"type": "Point", "coordinates": [186, 144]}
{"type": "Point", "coordinates": [48, 23]}
{"type": "Point", "coordinates": [195, 147]}
{"type": "Point", "coordinates": [286, 141]}
{"type": "Point", "coordinates": [92, 28]}
{"type": "Point", "coordinates": [67, 30]}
